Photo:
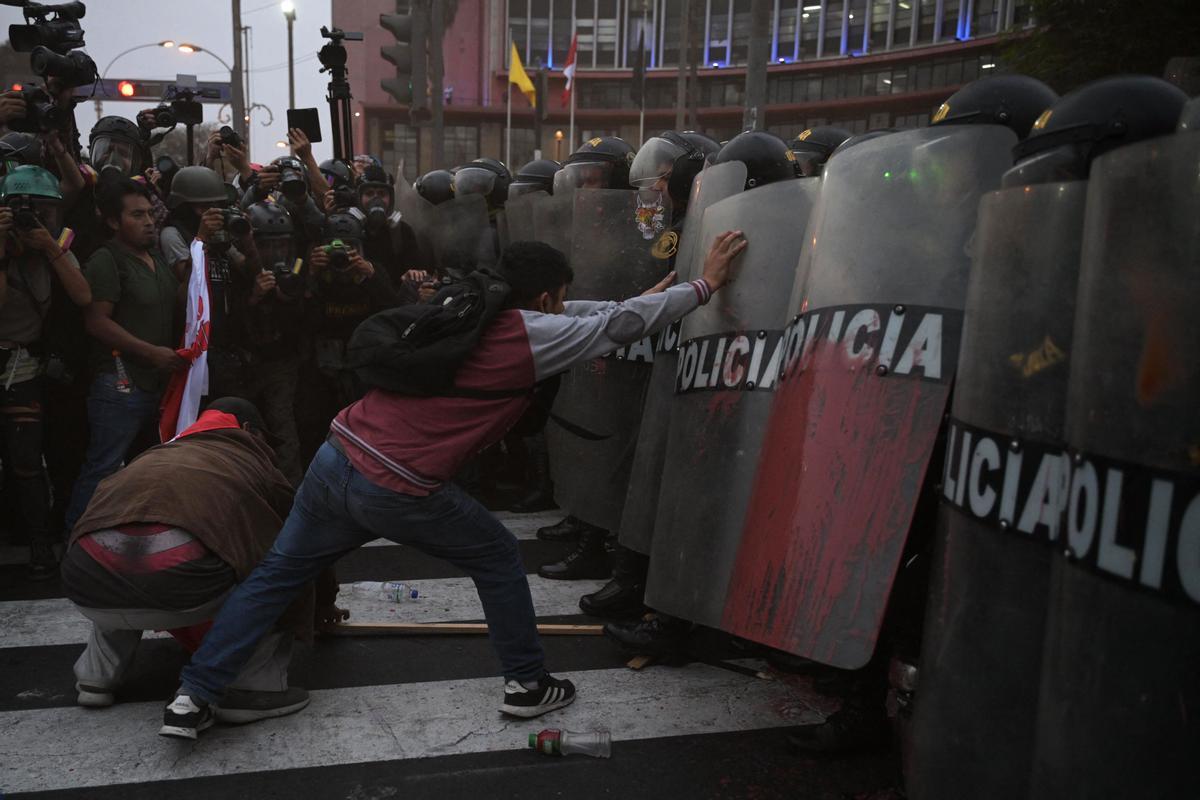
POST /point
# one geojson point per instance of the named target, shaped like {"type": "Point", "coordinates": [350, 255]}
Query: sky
{"type": "Point", "coordinates": [111, 26]}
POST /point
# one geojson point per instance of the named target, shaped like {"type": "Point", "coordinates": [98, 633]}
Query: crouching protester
{"type": "Point", "coordinates": [162, 544]}
{"type": "Point", "coordinates": [386, 469]}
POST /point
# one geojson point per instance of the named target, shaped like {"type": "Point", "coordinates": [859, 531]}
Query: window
{"type": "Point", "coordinates": [785, 38]}
{"type": "Point", "coordinates": [718, 32]}
{"type": "Point", "coordinates": [924, 11]}
{"type": "Point", "coordinates": [460, 144]}
{"type": "Point", "coordinates": [518, 25]}
{"type": "Point", "coordinates": [857, 10]}
{"type": "Point", "coordinates": [584, 11]}
{"type": "Point", "coordinates": [672, 34]}
{"type": "Point", "coordinates": [808, 31]}
{"type": "Point", "coordinates": [742, 23]}
{"type": "Point", "coordinates": [640, 30]}
{"type": "Point", "coordinates": [400, 144]}
{"type": "Point", "coordinates": [523, 145]}
{"type": "Point", "coordinates": [606, 33]}
{"type": "Point", "coordinates": [903, 25]}
{"type": "Point", "coordinates": [833, 28]}
{"type": "Point", "coordinates": [879, 25]}
{"type": "Point", "coordinates": [986, 19]}
{"type": "Point", "coordinates": [950, 30]}
{"type": "Point", "coordinates": [1022, 13]}
{"type": "Point", "coordinates": [562, 31]}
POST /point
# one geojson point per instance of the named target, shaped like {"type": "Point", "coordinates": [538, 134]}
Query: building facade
{"type": "Point", "coordinates": [859, 64]}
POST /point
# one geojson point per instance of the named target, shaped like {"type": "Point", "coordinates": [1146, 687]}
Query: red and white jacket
{"type": "Point", "coordinates": [413, 444]}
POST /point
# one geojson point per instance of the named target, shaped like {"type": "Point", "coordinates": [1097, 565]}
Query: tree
{"type": "Point", "coordinates": [1081, 40]}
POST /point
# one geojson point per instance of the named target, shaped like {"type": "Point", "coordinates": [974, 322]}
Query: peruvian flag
{"type": "Point", "coordinates": [569, 70]}
{"type": "Point", "coordinates": [181, 399]}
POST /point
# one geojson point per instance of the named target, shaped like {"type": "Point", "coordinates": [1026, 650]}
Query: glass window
{"type": "Point", "coordinates": [808, 30]}
{"type": "Point", "coordinates": [922, 80]}
{"type": "Point", "coordinates": [400, 145]}
{"type": "Point", "coordinates": [970, 69]}
{"type": "Point", "coordinates": [830, 88]}
{"type": "Point", "coordinates": [954, 72]}
{"type": "Point", "coordinates": [718, 30]}
{"type": "Point", "coordinates": [833, 28]}
{"type": "Point", "coordinates": [523, 145]}
{"type": "Point", "coordinates": [539, 31]}
{"type": "Point", "coordinates": [939, 75]}
{"type": "Point", "coordinates": [986, 19]}
{"type": "Point", "coordinates": [879, 25]}
{"type": "Point", "coordinates": [903, 26]}
{"type": "Point", "coordinates": [925, 10]}
{"type": "Point", "coordinates": [517, 10]}
{"type": "Point", "coordinates": [460, 143]}
{"type": "Point", "coordinates": [639, 32]}
{"type": "Point", "coordinates": [949, 20]}
{"type": "Point", "coordinates": [900, 79]}
{"type": "Point", "coordinates": [562, 32]}
{"type": "Point", "coordinates": [857, 10]}
{"type": "Point", "coordinates": [1022, 13]}
{"type": "Point", "coordinates": [606, 33]}
{"type": "Point", "coordinates": [742, 23]}
{"type": "Point", "coordinates": [672, 39]}
{"type": "Point", "coordinates": [586, 33]}
{"type": "Point", "coordinates": [786, 37]}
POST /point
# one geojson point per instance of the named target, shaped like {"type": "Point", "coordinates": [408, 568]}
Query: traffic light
{"type": "Point", "coordinates": [126, 89]}
{"type": "Point", "coordinates": [408, 55]}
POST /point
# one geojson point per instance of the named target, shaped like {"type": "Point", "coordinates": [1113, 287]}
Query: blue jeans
{"type": "Point", "coordinates": [338, 510]}
{"type": "Point", "coordinates": [115, 419]}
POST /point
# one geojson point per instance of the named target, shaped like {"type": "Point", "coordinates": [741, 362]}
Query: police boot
{"type": "Point", "coordinates": [654, 635]}
{"type": "Point", "coordinates": [567, 529]}
{"type": "Point", "coordinates": [623, 596]}
{"type": "Point", "coordinates": [589, 560]}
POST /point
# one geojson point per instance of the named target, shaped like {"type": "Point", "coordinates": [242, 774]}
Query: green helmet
{"type": "Point", "coordinates": [30, 180]}
{"type": "Point", "coordinates": [197, 185]}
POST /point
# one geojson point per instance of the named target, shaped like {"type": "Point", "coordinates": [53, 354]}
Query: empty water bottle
{"type": "Point", "coordinates": [397, 591]}
{"type": "Point", "coordinates": [554, 742]}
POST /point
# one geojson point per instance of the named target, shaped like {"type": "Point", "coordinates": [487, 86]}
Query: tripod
{"type": "Point", "coordinates": [333, 60]}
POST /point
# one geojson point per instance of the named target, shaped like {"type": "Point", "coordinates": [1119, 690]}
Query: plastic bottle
{"type": "Point", "coordinates": [124, 385]}
{"type": "Point", "coordinates": [397, 591]}
{"type": "Point", "coordinates": [554, 742]}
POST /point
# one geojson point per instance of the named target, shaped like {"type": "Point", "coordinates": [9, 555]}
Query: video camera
{"type": "Point", "coordinates": [184, 108]}
{"type": "Point", "coordinates": [42, 114]}
{"type": "Point", "coordinates": [52, 42]}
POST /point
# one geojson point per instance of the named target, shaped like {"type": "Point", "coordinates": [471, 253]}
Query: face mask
{"type": "Point", "coordinates": [376, 214]}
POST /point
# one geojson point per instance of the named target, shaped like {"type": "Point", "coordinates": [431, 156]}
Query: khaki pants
{"type": "Point", "coordinates": [116, 633]}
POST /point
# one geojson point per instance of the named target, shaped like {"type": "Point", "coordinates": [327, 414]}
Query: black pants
{"type": "Point", "coordinates": [21, 424]}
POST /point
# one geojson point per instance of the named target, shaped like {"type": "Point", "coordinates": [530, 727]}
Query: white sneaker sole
{"type": "Point", "coordinates": [529, 712]}
{"type": "Point", "coordinates": [241, 716]}
{"type": "Point", "coordinates": [177, 732]}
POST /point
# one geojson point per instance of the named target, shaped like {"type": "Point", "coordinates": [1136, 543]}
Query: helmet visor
{"type": "Point", "coordinates": [654, 163]}
{"type": "Point", "coordinates": [119, 153]}
{"type": "Point", "coordinates": [583, 175]}
{"type": "Point", "coordinates": [523, 187]}
{"type": "Point", "coordinates": [276, 252]}
{"type": "Point", "coordinates": [474, 180]}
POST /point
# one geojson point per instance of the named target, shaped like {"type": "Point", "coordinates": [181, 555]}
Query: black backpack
{"type": "Point", "coordinates": [417, 349]}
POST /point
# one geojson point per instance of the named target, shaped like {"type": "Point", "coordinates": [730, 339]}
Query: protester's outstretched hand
{"type": "Point", "coordinates": [301, 147]}
{"type": "Point", "coordinates": [662, 285]}
{"type": "Point", "coordinates": [717, 265]}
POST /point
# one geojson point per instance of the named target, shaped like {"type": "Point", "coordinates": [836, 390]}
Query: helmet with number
{"type": "Point", "coordinates": [536, 176]}
{"type": "Point", "coordinates": [337, 173]}
{"type": "Point", "coordinates": [813, 147]}
{"type": "Point", "coordinates": [437, 186]}
{"type": "Point", "coordinates": [273, 234]}
{"type": "Point", "coordinates": [1095, 118]}
{"type": "Point", "coordinates": [766, 156]}
{"type": "Point", "coordinates": [22, 148]}
{"type": "Point", "coordinates": [29, 180]}
{"type": "Point", "coordinates": [197, 185]}
{"type": "Point", "coordinates": [116, 147]}
{"type": "Point", "coordinates": [485, 176]}
{"type": "Point", "coordinates": [668, 162]}
{"type": "Point", "coordinates": [601, 163]}
{"type": "Point", "coordinates": [1014, 101]}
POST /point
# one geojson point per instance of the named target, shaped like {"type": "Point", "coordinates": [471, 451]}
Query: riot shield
{"type": "Point", "coordinates": [418, 213]}
{"type": "Point", "coordinates": [519, 213]}
{"type": "Point", "coordinates": [552, 221]}
{"type": "Point", "coordinates": [870, 351]}
{"type": "Point", "coordinates": [973, 737]}
{"type": "Point", "coordinates": [647, 475]}
{"type": "Point", "coordinates": [729, 357]}
{"type": "Point", "coordinates": [461, 236]}
{"type": "Point", "coordinates": [1119, 709]}
{"type": "Point", "coordinates": [612, 260]}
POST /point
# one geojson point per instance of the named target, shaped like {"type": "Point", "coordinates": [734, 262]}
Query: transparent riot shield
{"type": "Point", "coordinates": [461, 235]}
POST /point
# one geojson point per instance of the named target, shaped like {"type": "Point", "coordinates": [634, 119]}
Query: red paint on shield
{"type": "Point", "coordinates": [841, 467]}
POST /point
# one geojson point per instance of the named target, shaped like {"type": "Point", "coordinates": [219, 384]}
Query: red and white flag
{"type": "Point", "coordinates": [181, 400]}
{"type": "Point", "coordinates": [569, 70]}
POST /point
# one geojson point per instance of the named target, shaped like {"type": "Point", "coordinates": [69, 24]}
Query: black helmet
{"type": "Point", "coordinates": [336, 173]}
{"type": "Point", "coordinates": [23, 148]}
{"type": "Point", "coordinates": [273, 234]}
{"type": "Point", "coordinates": [765, 155]}
{"type": "Point", "coordinates": [436, 187]}
{"type": "Point", "coordinates": [115, 145]}
{"type": "Point", "coordinates": [1091, 120]}
{"type": "Point", "coordinates": [1014, 101]}
{"type": "Point", "coordinates": [859, 138]}
{"type": "Point", "coordinates": [293, 177]}
{"type": "Point", "coordinates": [374, 177]}
{"type": "Point", "coordinates": [536, 176]}
{"type": "Point", "coordinates": [705, 144]}
{"type": "Point", "coordinates": [813, 147]}
{"type": "Point", "coordinates": [672, 157]}
{"type": "Point", "coordinates": [485, 176]}
{"type": "Point", "coordinates": [346, 227]}
{"type": "Point", "coordinates": [601, 163]}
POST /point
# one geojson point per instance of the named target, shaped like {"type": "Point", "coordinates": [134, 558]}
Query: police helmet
{"type": "Point", "coordinates": [1014, 101]}
{"type": "Point", "coordinates": [436, 187]}
{"type": "Point", "coordinates": [116, 147]}
{"type": "Point", "coordinates": [813, 147]}
{"type": "Point", "coordinates": [669, 161]}
{"type": "Point", "coordinates": [600, 163]}
{"type": "Point", "coordinates": [766, 156]}
{"type": "Point", "coordinates": [485, 176]}
{"type": "Point", "coordinates": [859, 138]}
{"type": "Point", "coordinates": [536, 176]}
{"type": "Point", "coordinates": [1095, 118]}
{"type": "Point", "coordinates": [197, 185]}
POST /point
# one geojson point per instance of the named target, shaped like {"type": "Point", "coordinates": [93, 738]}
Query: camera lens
{"type": "Point", "coordinates": [237, 225]}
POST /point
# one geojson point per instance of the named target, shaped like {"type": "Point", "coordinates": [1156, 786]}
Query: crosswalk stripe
{"type": "Point", "coordinates": [69, 748]}
{"type": "Point", "coordinates": [36, 623]}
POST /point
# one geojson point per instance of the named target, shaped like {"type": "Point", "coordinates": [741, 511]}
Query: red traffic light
{"type": "Point", "coordinates": [126, 89]}
{"type": "Point", "coordinates": [16, 87]}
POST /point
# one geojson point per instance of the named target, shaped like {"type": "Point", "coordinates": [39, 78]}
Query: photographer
{"type": "Point", "coordinates": [33, 252]}
{"type": "Point", "coordinates": [274, 327]}
{"type": "Point", "coordinates": [390, 240]}
{"type": "Point", "coordinates": [132, 321]}
{"type": "Point", "coordinates": [200, 209]}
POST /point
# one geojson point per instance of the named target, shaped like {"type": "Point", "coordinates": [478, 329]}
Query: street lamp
{"type": "Point", "coordinates": [164, 43]}
{"type": "Point", "coordinates": [289, 12]}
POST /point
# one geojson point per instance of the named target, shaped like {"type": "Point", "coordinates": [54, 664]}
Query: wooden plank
{"type": "Point", "coordinates": [444, 628]}
{"type": "Point", "coordinates": [640, 662]}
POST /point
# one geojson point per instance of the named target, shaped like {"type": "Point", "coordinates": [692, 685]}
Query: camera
{"type": "Point", "coordinates": [25, 218]}
{"type": "Point", "coordinates": [339, 255]}
{"type": "Point", "coordinates": [228, 135]}
{"type": "Point", "coordinates": [236, 223]}
{"type": "Point", "coordinates": [164, 117]}
{"type": "Point", "coordinates": [289, 280]}
{"type": "Point", "coordinates": [41, 113]}
{"type": "Point", "coordinates": [52, 43]}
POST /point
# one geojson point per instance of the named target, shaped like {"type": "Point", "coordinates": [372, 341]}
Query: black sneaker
{"type": "Point", "coordinates": [551, 693]}
{"type": "Point", "coordinates": [184, 718]}
{"type": "Point", "coordinates": [240, 706]}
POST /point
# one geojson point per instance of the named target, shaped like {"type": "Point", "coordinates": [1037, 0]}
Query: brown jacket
{"type": "Point", "coordinates": [222, 486]}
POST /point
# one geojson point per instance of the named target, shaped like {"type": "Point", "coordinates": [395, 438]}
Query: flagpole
{"type": "Point", "coordinates": [571, 138]}
{"type": "Point", "coordinates": [508, 125]}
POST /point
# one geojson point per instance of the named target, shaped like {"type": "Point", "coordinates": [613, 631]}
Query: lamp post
{"type": "Point", "coordinates": [289, 12]}
{"type": "Point", "coordinates": [168, 43]}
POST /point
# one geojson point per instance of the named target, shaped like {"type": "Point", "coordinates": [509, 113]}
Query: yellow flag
{"type": "Point", "coordinates": [516, 74]}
